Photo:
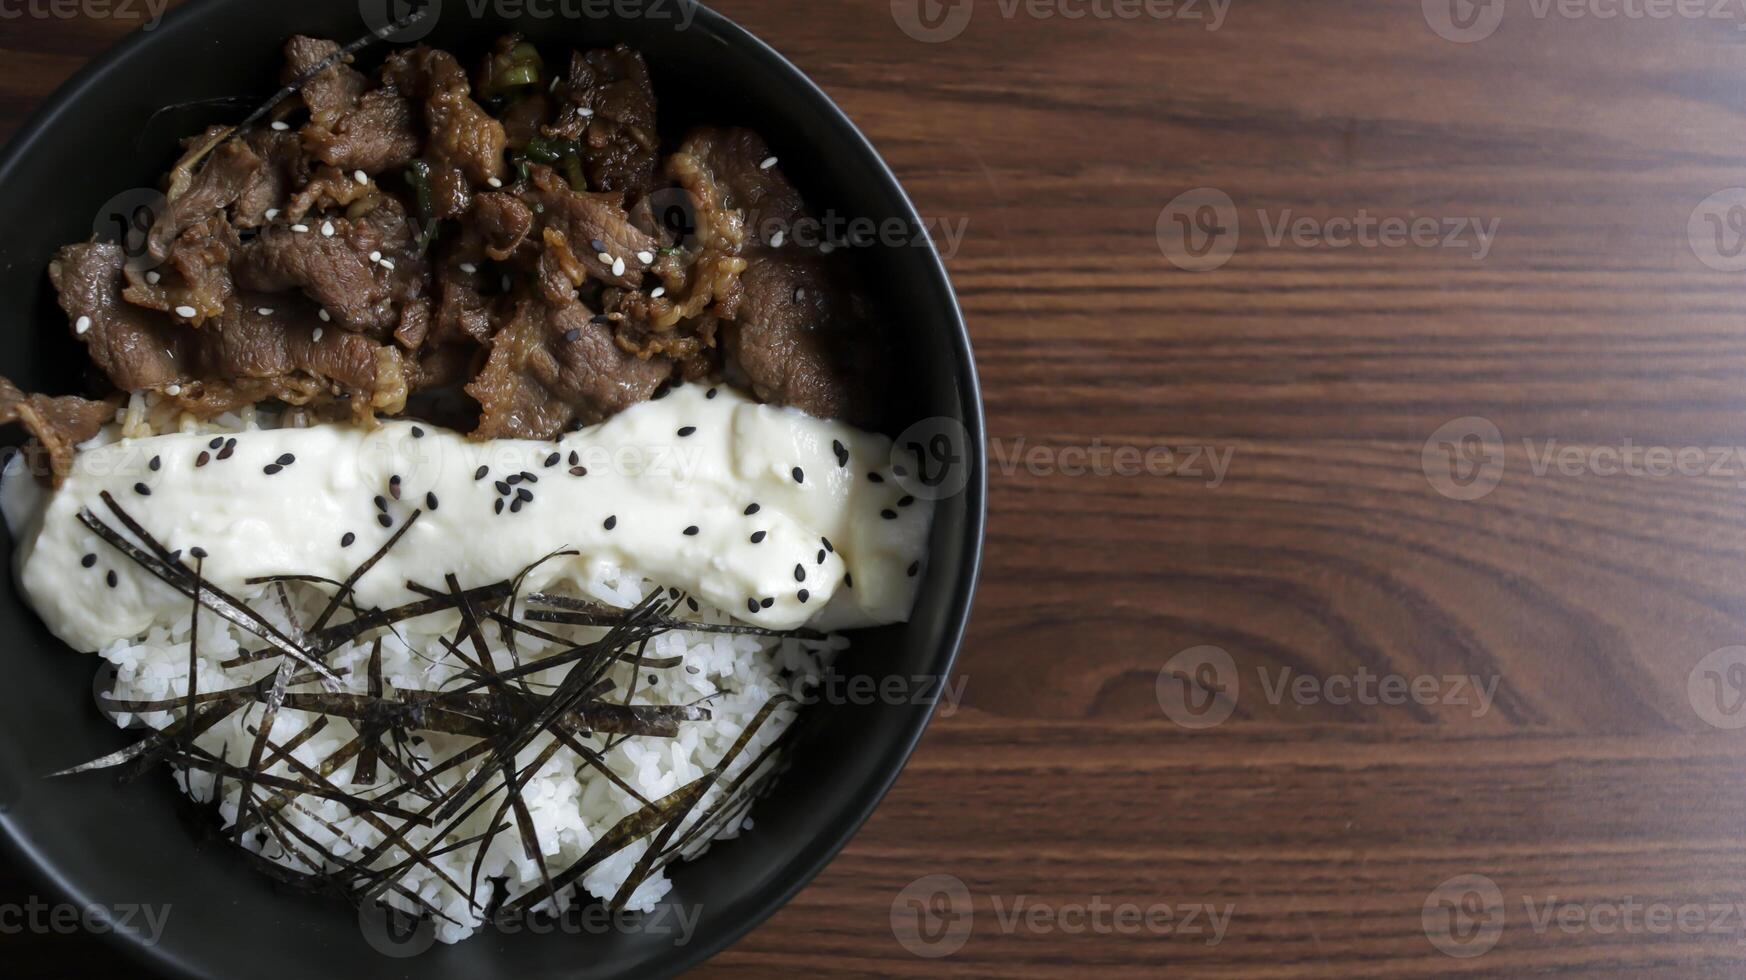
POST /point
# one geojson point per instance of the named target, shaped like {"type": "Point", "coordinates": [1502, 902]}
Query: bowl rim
{"type": "Point", "coordinates": [736, 922]}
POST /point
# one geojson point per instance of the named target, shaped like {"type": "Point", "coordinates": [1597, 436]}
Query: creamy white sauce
{"type": "Point", "coordinates": [643, 477]}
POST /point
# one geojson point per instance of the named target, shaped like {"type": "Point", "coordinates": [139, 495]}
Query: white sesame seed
{"type": "Point", "coordinates": [605, 259]}
{"type": "Point", "coordinates": [659, 292]}
{"type": "Point", "coordinates": [375, 256]}
{"type": "Point", "coordinates": [281, 126]}
{"type": "Point", "coordinates": [272, 213]}
{"type": "Point", "coordinates": [618, 267]}
{"type": "Point", "coordinates": [173, 390]}
{"type": "Point", "coordinates": [469, 268]}
{"type": "Point", "coordinates": [153, 278]}
{"type": "Point", "coordinates": [326, 317]}
{"type": "Point", "coordinates": [265, 311]}
{"type": "Point", "coordinates": [585, 113]}
{"type": "Point", "coordinates": [388, 264]}
{"type": "Point", "coordinates": [83, 325]}
{"type": "Point", "coordinates": [767, 164]}
{"type": "Point", "coordinates": [327, 229]}
{"type": "Point", "coordinates": [777, 239]}
{"type": "Point", "coordinates": [799, 294]}
{"type": "Point", "coordinates": [317, 334]}
{"type": "Point", "coordinates": [361, 177]}
{"type": "Point", "coordinates": [187, 312]}
{"type": "Point", "coordinates": [646, 258]}
{"type": "Point", "coordinates": [300, 229]}
{"type": "Point", "coordinates": [494, 182]}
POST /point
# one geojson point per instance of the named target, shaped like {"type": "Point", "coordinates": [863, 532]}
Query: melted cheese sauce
{"type": "Point", "coordinates": [764, 512]}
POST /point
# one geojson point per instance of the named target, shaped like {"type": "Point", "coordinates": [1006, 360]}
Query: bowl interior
{"type": "Point", "coordinates": [109, 131]}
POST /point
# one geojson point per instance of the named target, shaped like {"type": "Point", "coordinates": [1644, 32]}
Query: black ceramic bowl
{"type": "Point", "coordinates": [98, 844]}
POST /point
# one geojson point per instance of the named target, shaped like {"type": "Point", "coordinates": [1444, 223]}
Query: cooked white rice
{"type": "Point", "coordinates": [572, 804]}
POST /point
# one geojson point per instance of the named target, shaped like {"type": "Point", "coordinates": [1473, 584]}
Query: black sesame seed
{"type": "Point", "coordinates": [572, 335]}
{"type": "Point", "coordinates": [229, 449]}
{"type": "Point", "coordinates": [529, 477]}
{"type": "Point", "coordinates": [394, 486]}
{"type": "Point", "coordinates": [430, 501]}
{"type": "Point", "coordinates": [479, 474]}
{"type": "Point", "coordinates": [523, 495]}
{"type": "Point", "coordinates": [597, 245]}
{"type": "Point", "coordinates": [202, 459]}
{"type": "Point", "coordinates": [515, 506]}
{"type": "Point", "coordinates": [803, 595]}
{"type": "Point", "coordinates": [348, 540]}
{"type": "Point", "coordinates": [176, 556]}
{"type": "Point", "coordinates": [753, 509]}
{"type": "Point", "coordinates": [827, 544]}
{"type": "Point", "coordinates": [578, 471]}
{"type": "Point", "coordinates": [381, 503]}
{"type": "Point", "coordinates": [914, 567]}
{"type": "Point", "coordinates": [142, 489]}
{"type": "Point", "coordinates": [751, 604]}
{"type": "Point", "coordinates": [156, 464]}
{"type": "Point", "coordinates": [767, 603]}
{"type": "Point", "coordinates": [553, 459]}
{"type": "Point", "coordinates": [888, 514]}
{"type": "Point", "coordinates": [197, 551]}
{"type": "Point", "coordinates": [709, 394]}
{"type": "Point", "coordinates": [758, 537]}
{"type": "Point", "coordinates": [88, 560]}
{"type": "Point", "coordinates": [899, 471]}
{"type": "Point", "coordinates": [691, 532]}
{"type": "Point", "coordinates": [672, 593]}
{"type": "Point", "coordinates": [417, 433]}
{"type": "Point", "coordinates": [384, 520]}
{"type": "Point", "coordinates": [574, 457]}
{"type": "Point", "coordinates": [875, 478]}
{"type": "Point", "coordinates": [842, 453]}
{"type": "Point", "coordinates": [600, 320]}
{"type": "Point", "coordinates": [692, 603]}
{"type": "Point", "coordinates": [611, 522]}
{"type": "Point", "coordinates": [687, 431]}
{"type": "Point", "coordinates": [503, 486]}
{"type": "Point", "coordinates": [848, 580]}
{"type": "Point", "coordinates": [653, 680]}
{"type": "Point", "coordinates": [112, 579]}
{"type": "Point", "coordinates": [215, 443]}
{"type": "Point", "coordinates": [272, 469]}
{"type": "Point", "coordinates": [286, 460]}
{"type": "Point", "coordinates": [800, 573]}
{"type": "Point", "coordinates": [500, 505]}
{"type": "Point", "coordinates": [799, 475]}
{"type": "Point", "coordinates": [660, 393]}
{"type": "Point", "coordinates": [821, 555]}
{"type": "Point", "coordinates": [905, 501]}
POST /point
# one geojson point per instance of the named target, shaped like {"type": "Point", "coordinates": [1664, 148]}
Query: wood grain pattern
{"type": "Point", "coordinates": [1592, 781]}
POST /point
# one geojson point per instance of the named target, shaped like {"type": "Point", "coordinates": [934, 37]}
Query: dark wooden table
{"type": "Point", "coordinates": [1471, 548]}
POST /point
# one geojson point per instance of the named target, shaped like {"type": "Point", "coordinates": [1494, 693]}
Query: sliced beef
{"type": "Point", "coordinates": [379, 135]}
{"type": "Point", "coordinates": [803, 339]}
{"type": "Point", "coordinates": [458, 131]}
{"type": "Point", "coordinates": [337, 271]}
{"type": "Point", "coordinates": [330, 93]}
{"type": "Point", "coordinates": [736, 161]}
{"type": "Point", "coordinates": [59, 425]}
{"type": "Point", "coordinates": [549, 369]}
{"type": "Point", "coordinates": [504, 222]}
{"type": "Point", "coordinates": [196, 278]}
{"type": "Point", "coordinates": [593, 225]}
{"type": "Point", "coordinates": [136, 348]}
{"type": "Point", "coordinates": [607, 106]}
{"type": "Point", "coordinates": [228, 170]}
{"type": "Point", "coordinates": [268, 189]}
